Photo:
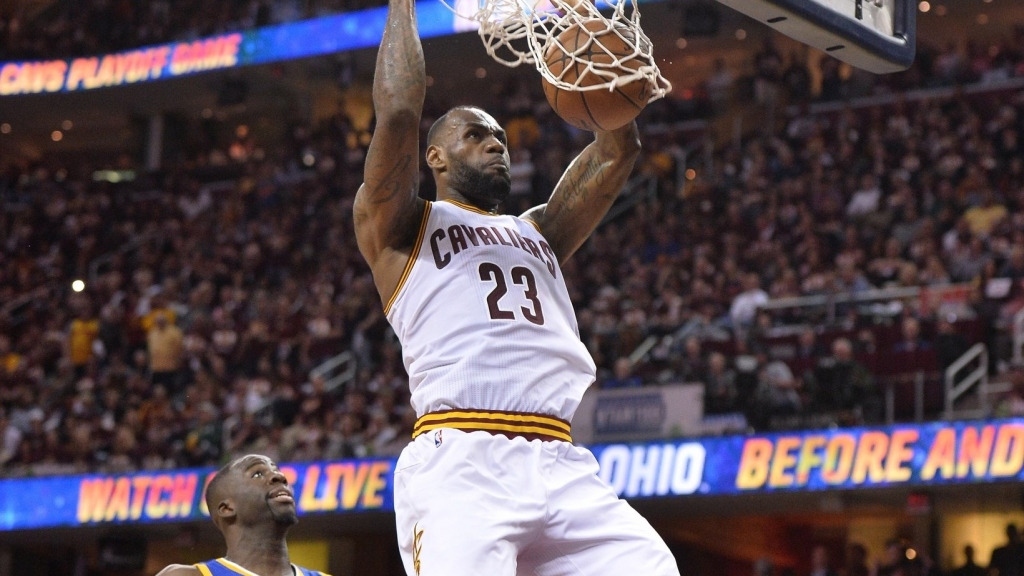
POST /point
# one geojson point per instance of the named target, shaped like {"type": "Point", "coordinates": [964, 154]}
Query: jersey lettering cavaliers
{"type": "Point", "coordinates": [485, 319]}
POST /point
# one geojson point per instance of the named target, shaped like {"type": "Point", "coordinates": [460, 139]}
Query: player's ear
{"type": "Point", "coordinates": [436, 158]}
{"type": "Point", "coordinates": [226, 509]}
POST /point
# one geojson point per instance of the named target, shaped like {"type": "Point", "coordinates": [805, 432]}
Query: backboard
{"type": "Point", "coordinates": [875, 35]}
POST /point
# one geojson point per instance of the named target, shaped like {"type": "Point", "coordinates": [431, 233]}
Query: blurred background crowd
{"type": "Point", "coordinates": [205, 303]}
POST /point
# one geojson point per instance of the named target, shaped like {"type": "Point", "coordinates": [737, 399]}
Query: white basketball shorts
{"type": "Point", "coordinates": [477, 504]}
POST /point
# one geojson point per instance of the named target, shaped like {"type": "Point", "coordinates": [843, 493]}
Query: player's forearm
{"type": "Point", "coordinates": [623, 143]}
{"type": "Point", "coordinates": [399, 83]}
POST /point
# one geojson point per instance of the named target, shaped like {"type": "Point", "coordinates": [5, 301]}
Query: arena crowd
{"type": "Point", "coordinates": [206, 302]}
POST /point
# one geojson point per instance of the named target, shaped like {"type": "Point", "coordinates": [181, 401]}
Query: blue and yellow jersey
{"type": "Point", "coordinates": [225, 567]}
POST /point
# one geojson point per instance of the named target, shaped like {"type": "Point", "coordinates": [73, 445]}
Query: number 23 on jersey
{"type": "Point", "coordinates": [521, 276]}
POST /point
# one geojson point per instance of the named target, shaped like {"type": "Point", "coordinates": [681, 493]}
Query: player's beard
{"type": "Point", "coordinates": [480, 185]}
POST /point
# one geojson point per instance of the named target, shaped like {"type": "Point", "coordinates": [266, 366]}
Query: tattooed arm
{"type": "Point", "coordinates": [587, 190]}
{"type": "Point", "coordinates": [387, 210]}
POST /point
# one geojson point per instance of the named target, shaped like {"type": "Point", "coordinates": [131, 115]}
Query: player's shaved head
{"type": "Point", "coordinates": [229, 486]}
{"type": "Point", "coordinates": [446, 120]}
{"type": "Point", "coordinates": [217, 489]}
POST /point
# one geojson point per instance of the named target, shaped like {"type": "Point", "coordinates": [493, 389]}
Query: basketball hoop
{"type": "Point", "coordinates": [516, 32]}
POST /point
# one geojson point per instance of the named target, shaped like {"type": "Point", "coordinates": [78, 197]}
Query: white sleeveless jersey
{"type": "Point", "coordinates": [485, 320]}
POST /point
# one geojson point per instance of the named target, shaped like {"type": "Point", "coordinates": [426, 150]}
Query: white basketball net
{"type": "Point", "coordinates": [515, 32]}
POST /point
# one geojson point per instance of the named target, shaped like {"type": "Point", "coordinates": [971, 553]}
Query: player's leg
{"type": "Point", "coordinates": [590, 531]}
{"type": "Point", "coordinates": [465, 504]}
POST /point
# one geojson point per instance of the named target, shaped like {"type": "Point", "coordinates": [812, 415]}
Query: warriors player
{"type": "Point", "coordinates": [252, 505]}
{"type": "Point", "coordinates": [492, 484]}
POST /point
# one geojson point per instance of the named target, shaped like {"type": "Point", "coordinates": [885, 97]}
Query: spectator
{"type": "Point", "coordinates": [842, 383]}
{"type": "Point", "coordinates": [969, 568]}
{"type": "Point", "coordinates": [865, 200]}
{"type": "Point", "coordinates": [968, 262]}
{"type": "Point", "coordinates": [857, 561]}
{"type": "Point", "coordinates": [719, 386]}
{"type": "Point", "coordinates": [1014, 266]}
{"type": "Point", "coordinates": [983, 218]}
{"type": "Point", "coordinates": [819, 563]}
{"type": "Point", "coordinates": [719, 85]}
{"type": "Point", "coordinates": [692, 367]}
{"type": "Point", "coordinates": [831, 80]}
{"type": "Point", "coordinates": [744, 306]}
{"type": "Point", "coordinates": [10, 440]}
{"type": "Point", "coordinates": [894, 560]}
{"type": "Point", "coordinates": [777, 392]}
{"type": "Point", "coordinates": [10, 361]}
{"type": "Point", "coordinates": [808, 347]}
{"type": "Point", "coordinates": [768, 73]}
{"type": "Point", "coordinates": [1008, 559]}
{"type": "Point", "coordinates": [623, 376]}
{"type": "Point", "coordinates": [82, 335]}
{"type": "Point", "coordinates": [797, 79]}
{"type": "Point", "coordinates": [950, 345]}
{"type": "Point", "coordinates": [910, 337]}
{"type": "Point", "coordinates": [764, 567]}
{"type": "Point", "coordinates": [164, 342]}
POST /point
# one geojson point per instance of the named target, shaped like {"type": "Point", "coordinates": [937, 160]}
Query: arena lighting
{"type": "Point", "coordinates": [5, 128]}
{"type": "Point", "coordinates": [78, 285]}
{"type": "Point", "coordinates": [741, 34]}
{"type": "Point", "coordinates": [57, 136]}
{"type": "Point", "coordinates": [67, 125]}
{"type": "Point", "coordinates": [681, 43]}
{"type": "Point", "coordinates": [940, 10]}
{"type": "Point", "coordinates": [983, 19]}
{"type": "Point", "coordinates": [481, 73]}
{"type": "Point", "coordinates": [113, 176]}
{"type": "Point", "coordinates": [924, 6]}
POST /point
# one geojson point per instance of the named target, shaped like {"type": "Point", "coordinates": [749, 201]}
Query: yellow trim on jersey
{"type": "Point", "coordinates": [535, 225]}
{"type": "Point", "coordinates": [235, 567]}
{"type": "Point", "coordinates": [524, 424]}
{"type": "Point", "coordinates": [481, 415]}
{"type": "Point", "coordinates": [468, 207]}
{"type": "Point", "coordinates": [203, 569]}
{"type": "Point", "coordinates": [473, 426]}
{"type": "Point", "coordinates": [412, 259]}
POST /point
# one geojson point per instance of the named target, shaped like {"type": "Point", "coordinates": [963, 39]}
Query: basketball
{"type": "Point", "coordinates": [595, 109]}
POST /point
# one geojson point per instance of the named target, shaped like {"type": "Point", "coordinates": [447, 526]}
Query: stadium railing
{"type": "Point", "coordinates": [956, 387]}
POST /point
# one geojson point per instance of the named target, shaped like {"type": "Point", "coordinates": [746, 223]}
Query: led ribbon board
{"type": "Point", "coordinates": [302, 39]}
{"type": "Point", "coordinates": [177, 496]}
{"type": "Point", "coordinates": [937, 453]}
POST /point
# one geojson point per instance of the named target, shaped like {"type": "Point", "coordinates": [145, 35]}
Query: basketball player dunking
{"type": "Point", "coordinates": [491, 484]}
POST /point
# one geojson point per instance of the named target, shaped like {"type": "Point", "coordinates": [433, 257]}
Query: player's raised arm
{"type": "Point", "coordinates": [387, 210]}
{"type": "Point", "coordinates": [587, 190]}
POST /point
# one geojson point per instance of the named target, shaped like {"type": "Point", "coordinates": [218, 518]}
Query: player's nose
{"type": "Point", "coordinates": [494, 145]}
{"type": "Point", "coordinates": [278, 478]}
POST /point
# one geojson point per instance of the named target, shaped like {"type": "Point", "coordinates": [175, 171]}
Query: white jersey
{"type": "Point", "coordinates": [485, 320]}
